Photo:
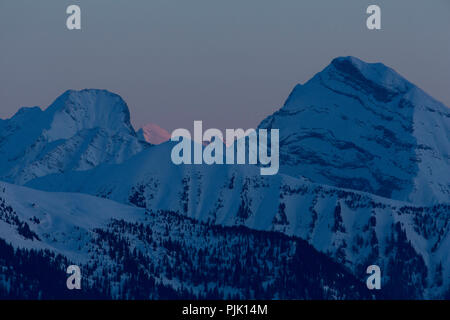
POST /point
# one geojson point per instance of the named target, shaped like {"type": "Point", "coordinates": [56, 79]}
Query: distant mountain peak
{"type": "Point", "coordinates": [154, 134]}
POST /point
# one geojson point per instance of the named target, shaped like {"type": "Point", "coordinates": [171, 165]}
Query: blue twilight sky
{"type": "Point", "coordinates": [229, 63]}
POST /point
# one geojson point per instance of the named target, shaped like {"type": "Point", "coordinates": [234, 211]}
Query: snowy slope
{"type": "Point", "coordinates": [355, 228]}
{"type": "Point", "coordinates": [80, 130]}
{"type": "Point", "coordinates": [363, 126]}
{"type": "Point", "coordinates": [60, 221]}
{"type": "Point", "coordinates": [128, 253]}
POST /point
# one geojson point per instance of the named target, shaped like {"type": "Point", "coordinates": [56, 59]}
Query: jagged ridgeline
{"type": "Point", "coordinates": [169, 256]}
{"type": "Point", "coordinates": [364, 179]}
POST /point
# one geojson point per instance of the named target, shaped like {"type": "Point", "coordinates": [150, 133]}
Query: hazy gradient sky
{"type": "Point", "coordinates": [229, 63]}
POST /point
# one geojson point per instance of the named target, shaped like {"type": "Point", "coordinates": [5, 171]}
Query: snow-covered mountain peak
{"type": "Point", "coordinates": [351, 75]}
{"type": "Point", "coordinates": [79, 131]}
{"type": "Point", "coordinates": [74, 111]}
{"type": "Point", "coordinates": [370, 73]}
{"type": "Point", "coordinates": [363, 126]}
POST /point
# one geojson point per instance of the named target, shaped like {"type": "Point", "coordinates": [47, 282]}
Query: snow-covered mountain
{"type": "Point", "coordinates": [364, 180]}
{"type": "Point", "coordinates": [154, 134]}
{"type": "Point", "coordinates": [356, 229]}
{"type": "Point", "coordinates": [363, 126]}
{"type": "Point", "coordinates": [80, 130]}
{"type": "Point", "coordinates": [131, 253]}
